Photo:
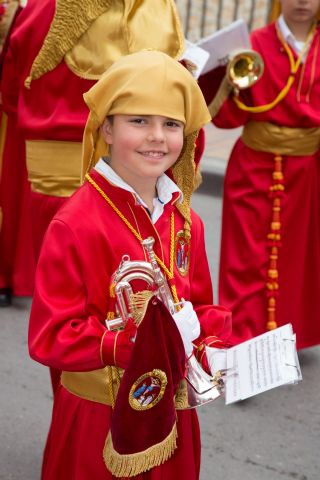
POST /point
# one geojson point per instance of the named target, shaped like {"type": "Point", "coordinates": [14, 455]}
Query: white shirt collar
{"type": "Point", "coordinates": [288, 36]}
{"type": "Point", "coordinates": [165, 188]}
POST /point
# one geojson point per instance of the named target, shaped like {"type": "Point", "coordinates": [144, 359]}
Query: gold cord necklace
{"type": "Point", "coordinates": [168, 272]}
{"type": "Point", "coordinates": [293, 70]}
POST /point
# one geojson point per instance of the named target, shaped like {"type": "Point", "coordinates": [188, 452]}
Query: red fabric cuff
{"type": "Point", "coordinates": [116, 347]}
{"type": "Point", "coordinates": [107, 348]}
{"type": "Point", "coordinates": [211, 341]}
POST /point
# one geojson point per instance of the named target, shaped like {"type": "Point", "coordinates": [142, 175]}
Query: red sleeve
{"type": "Point", "coordinates": [210, 83]}
{"type": "Point", "coordinates": [63, 332]}
{"type": "Point", "coordinates": [230, 116]}
{"type": "Point", "coordinates": [7, 38]}
{"type": "Point", "coordinates": [214, 320]}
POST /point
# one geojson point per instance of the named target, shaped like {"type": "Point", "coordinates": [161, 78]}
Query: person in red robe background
{"type": "Point", "coordinates": [270, 244]}
{"type": "Point", "coordinates": [16, 264]}
{"type": "Point", "coordinates": [52, 60]}
{"type": "Point", "coordinates": [58, 51]}
{"type": "Point", "coordinates": [145, 114]}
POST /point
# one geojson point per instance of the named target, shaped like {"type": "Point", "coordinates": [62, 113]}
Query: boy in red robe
{"type": "Point", "coordinates": [145, 114]}
{"type": "Point", "coordinates": [270, 248]}
{"type": "Point", "coordinates": [62, 47]}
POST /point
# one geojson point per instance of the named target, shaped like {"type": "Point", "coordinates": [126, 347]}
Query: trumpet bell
{"type": "Point", "coordinates": [244, 69]}
{"type": "Point", "coordinates": [200, 386]}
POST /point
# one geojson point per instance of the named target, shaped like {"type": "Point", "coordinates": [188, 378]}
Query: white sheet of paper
{"type": "Point", "coordinates": [223, 42]}
{"type": "Point", "coordinates": [197, 55]}
{"type": "Point", "coordinates": [262, 363]}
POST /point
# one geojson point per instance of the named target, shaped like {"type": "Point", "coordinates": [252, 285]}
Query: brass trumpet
{"type": "Point", "coordinates": [244, 68]}
{"type": "Point", "coordinates": [201, 387]}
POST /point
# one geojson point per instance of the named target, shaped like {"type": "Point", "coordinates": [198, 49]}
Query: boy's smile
{"type": "Point", "coordinates": [154, 154]}
{"type": "Point", "coordinates": [143, 147]}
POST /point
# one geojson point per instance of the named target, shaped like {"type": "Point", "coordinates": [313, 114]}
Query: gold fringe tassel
{"type": "Point", "coordinates": [185, 176]}
{"type": "Point", "coordinates": [136, 463]}
{"type": "Point", "coordinates": [274, 242]}
{"type": "Point", "coordinates": [139, 303]}
{"type": "Point", "coordinates": [72, 18]}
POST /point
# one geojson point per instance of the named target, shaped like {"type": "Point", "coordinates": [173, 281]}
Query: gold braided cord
{"type": "Point", "coordinates": [109, 382]}
{"type": "Point", "coordinates": [274, 11]}
{"type": "Point", "coordinates": [171, 242]}
{"type": "Point", "coordinates": [118, 375]}
{"type": "Point", "coordinates": [175, 295]}
{"type": "Point", "coordinates": [72, 18]}
{"type": "Point", "coordinates": [293, 70]}
{"type": "Point", "coordinates": [184, 174]}
{"type": "Point", "coordinates": [113, 380]}
{"type": "Point", "coordinates": [169, 273]}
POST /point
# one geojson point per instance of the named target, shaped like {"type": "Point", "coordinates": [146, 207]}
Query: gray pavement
{"type": "Point", "coordinates": [273, 436]}
{"type": "Point", "coordinates": [219, 143]}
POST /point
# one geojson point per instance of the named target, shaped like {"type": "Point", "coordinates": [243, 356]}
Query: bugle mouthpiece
{"type": "Point", "coordinates": [148, 243]}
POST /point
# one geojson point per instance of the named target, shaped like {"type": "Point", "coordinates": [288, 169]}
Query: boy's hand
{"type": "Point", "coordinates": [217, 359]}
{"type": "Point", "coordinates": [188, 325]}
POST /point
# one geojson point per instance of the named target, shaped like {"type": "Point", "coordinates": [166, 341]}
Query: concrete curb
{"type": "Point", "coordinates": [213, 166]}
{"type": "Point", "coordinates": [213, 172]}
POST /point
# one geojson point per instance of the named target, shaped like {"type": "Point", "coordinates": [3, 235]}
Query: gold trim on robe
{"type": "Point", "coordinates": [94, 385]}
{"type": "Point", "coordinates": [91, 34]}
{"type": "Point", "coordinates": [117, 32]}
{"type": "Point", "coordinates": [272, 138]}
{"type": "Point", "coordinates": [54, 166]}
{"type": "Point", "coordinates": [97, 386]}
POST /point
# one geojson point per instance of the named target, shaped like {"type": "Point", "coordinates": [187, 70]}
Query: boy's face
{"type": "Point", "coordinates": [297, 11]}
{"type": "Point", "coordinates": [143, 147]}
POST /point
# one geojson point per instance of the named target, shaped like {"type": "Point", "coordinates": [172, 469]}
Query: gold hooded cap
{"type": "Point", "coordinates": [148, 83]}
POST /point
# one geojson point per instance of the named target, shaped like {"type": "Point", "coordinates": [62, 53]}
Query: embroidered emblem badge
{"type": "Point", "coordinates": [182, 253]}
{"type": "Point", "coordinates": [148, 390]}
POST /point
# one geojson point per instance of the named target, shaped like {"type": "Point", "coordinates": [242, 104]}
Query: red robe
{"type": "Point", "coordinates": [16, 253]}
{"type": "Point", "coordinates": [247, 207]}
{"type": "Point", "coordinates": [43, 113]}
{"type": "Point", "coordinates": [83, 247]}
{"type": "Point", "coordinates": [37, 113]}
